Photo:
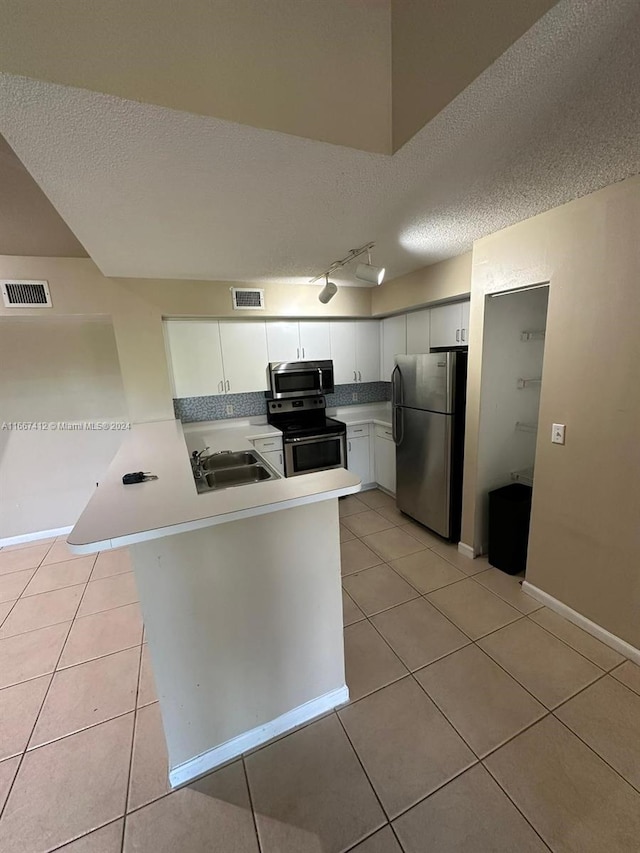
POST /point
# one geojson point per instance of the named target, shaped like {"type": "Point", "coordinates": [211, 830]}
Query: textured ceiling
{"type": "Point", "coordinates": [158, 193]}
{"type": "Point", "coordinates": [29, 223]}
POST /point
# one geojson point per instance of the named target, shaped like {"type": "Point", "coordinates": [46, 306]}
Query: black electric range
{"type": "Point", "coordinates": [311, 441]}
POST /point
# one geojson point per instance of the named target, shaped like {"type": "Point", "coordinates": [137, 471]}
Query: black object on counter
{"type": "Point", "coordinates": [509, 514]}
{"type": "Point", "coordinates": [137, 477]}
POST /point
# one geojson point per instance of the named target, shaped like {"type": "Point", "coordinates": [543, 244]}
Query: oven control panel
{"type": "Point", "coordinates": [281, 407]}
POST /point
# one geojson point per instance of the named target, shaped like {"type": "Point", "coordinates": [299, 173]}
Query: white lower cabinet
{"type": "Point", "coordinates": [358, 457]}
{"type": "Point", "coordinates": [275, 458]}
{"type": "Point", "coordinates": [385, 454]}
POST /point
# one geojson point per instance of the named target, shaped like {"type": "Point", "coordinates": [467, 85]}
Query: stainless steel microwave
{"type": "Point", "coordinates": [300, 378]}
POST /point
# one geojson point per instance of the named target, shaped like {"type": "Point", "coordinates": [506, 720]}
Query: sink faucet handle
{"type": "Point", "coordinates": [198, 453]}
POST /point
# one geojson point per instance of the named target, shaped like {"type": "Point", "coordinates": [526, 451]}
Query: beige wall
{"type": "Point", "coordinates": [584, 544]}
{"type": "Point", "coordinates": [314, 69]}
{"type": "Point", "coordinates": [55, 369]}
{"type": "Point", "coordinates": [439, 48]}
{"type": "Point", "coordinates": [448, 279]}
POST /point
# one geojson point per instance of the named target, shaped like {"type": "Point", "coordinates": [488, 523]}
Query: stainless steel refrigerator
{"type": "Point", "coordinates": [428, 396]}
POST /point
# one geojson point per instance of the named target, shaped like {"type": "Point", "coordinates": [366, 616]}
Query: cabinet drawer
{"type": "Point", "coordinates": [356, 431]}
{"type": "Point", "coordinates": [384, 432]}
{"type": "Point", "coordinates": [264, 445]}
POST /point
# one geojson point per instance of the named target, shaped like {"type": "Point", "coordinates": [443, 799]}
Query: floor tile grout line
{"type": "Point", "coordinates": [253, 811]}
{"type": "Point", "coordinates": [51, 565]}
{"type": "Point", "coordinates": [31, 630]}
{"type": "Point", "coordinates": [594, 751]}
{"type": "Point", "coordinates": [44, 699]}
{"type": "Point", "coordinates": [85, 834]}
{"type": "Point", "coordinates": [364, 770]}
{"type": "Point", "coordinates": [133, 741]}
{"type": "Point", "coordinates": [516, 806]}
{"type": "Point", "coordinates": [577, 651]}
{"type": "Point", "coordinates": [97, 657]}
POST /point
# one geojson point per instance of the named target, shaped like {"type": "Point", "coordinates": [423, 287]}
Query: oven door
{"type": "Point", "coordinates": [318, 453]}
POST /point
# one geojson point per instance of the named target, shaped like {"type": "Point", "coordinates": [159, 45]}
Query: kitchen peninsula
{"type": "Point", "coordinates": [239, 589]}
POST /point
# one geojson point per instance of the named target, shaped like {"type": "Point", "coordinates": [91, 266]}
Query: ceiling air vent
{"type": "Point", "coordinates": [25, 294]}
{"type": "Point", "coordinates": [247, 297]}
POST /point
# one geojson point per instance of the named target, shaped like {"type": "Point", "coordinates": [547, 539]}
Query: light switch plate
{"type": "Point", "coordinates": [557, 433]}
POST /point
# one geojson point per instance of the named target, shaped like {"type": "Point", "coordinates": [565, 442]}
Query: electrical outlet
{"type": "Point", "coordinates": [354, 398]}
{"type": "Point", "coordinates": [557, 433]}
{"type": "Point", "coordinates": [229, 410]}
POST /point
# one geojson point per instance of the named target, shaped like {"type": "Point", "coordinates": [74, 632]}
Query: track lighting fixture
{"type": "Point", "coordinates": [367, 272]}
{"type": "Point", "coordinates": [328, 291]}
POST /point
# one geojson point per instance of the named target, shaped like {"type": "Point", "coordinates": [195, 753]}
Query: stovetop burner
{"type": "Point", "coordinates": [302, 417]}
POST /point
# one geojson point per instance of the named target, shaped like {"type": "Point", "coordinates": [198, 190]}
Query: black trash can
{"type": "Point", "coordinates": [509, 513]}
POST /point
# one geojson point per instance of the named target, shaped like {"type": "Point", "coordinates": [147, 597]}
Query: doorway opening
{"type": "Point", "coordinates": [512, 361]}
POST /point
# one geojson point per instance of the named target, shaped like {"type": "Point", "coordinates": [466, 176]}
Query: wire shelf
{"type": "Point", "coordinates": [528, 383]}
{"type": "Point", "coordinates": [524, 476]}
{"type": "Point", "coordinates": [523, 427]}
{"type": "Point", "coordinates": [532, 335]}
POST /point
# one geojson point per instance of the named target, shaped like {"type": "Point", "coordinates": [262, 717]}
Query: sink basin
{"type": "Point", "coordinates": [219, 461]}
{"type": "Point", "coordinates": [237, 475]}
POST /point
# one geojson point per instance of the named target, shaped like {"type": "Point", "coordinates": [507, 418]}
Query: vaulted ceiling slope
{"type": "Point", "coordinates": [320, 69]}
{"type": "Point", "coordinates": [29, 223]}
{"type": "Point", "coordinates": [159, 193]}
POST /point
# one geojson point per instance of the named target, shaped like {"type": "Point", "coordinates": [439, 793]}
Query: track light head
{"type": "Point", "coordinates": [328, 291]}
{"type": "Point", "coordinates": [367, 272]}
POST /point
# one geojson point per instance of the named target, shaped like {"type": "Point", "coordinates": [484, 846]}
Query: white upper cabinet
{"type": "Point", "coordinates": [298, 341]}
{"type": "Point", "coordinates": [315, 340]}
{"type": "Point", "coordinates": [355, 350]}
{"type": "Point", "coordinates": [368, 350]}
{"type": "Point", "coordinates": [393, 338]}
{"type": "Point", "coordinates": [283, 341]}
{"type": "Point", "coordinates": [195, 357]}
{"type": "Point", "coordinates": [343, 351]}
{"type": "Point", "coordinates": [465, 322]}
{"type": "Point", "coordinates": [245, 355]}
{"type": "Point", "coordinates": [447, 325]}
{"type": "Point", "coordinates": [418, 338]}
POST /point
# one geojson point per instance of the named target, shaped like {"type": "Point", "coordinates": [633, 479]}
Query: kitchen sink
{"type": "Point", "coordinates": [228, 460]}
{"type": "Point", "coordinates": [226, 470]}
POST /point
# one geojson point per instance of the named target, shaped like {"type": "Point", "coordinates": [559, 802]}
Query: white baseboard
{"type": "Point", "coordinates": [466, 550]}
{"type": "Point", "coordinates": [581, 621]}
{"type": "Point", "coordinates": [34, 537]}
{"type": "Point", "coordinates": [190, 770]}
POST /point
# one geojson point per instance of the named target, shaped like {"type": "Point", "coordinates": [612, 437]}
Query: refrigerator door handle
{"type": "Point", "coordinates": [396, 386]}
{"type": "Point", "coordinates": [395, 434]}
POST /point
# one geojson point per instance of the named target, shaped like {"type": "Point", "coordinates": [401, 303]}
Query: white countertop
{"type": "Point", "coordinates": [377, 413]}
{"type": "Point", "coordinates": [120, 515]}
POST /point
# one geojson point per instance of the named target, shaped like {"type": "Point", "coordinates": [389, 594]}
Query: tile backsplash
{"type": "Point", "coordinates": [190, 409]}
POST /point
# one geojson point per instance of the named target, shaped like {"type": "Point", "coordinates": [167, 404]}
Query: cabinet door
{"type": "Point", "coordinates": [393, 335]}
{"type": "Point", "coordinates": [386, 463]}
{"type": "Point", "coordinates": [465, 322]}
{"type": "Point", "coordinates": [275, 458]}
{"type": "Point", "coordinates": [358, 457]}
{"type": "Point", "coordinates": [195, 357]}
{"type": "Point", "coordinates": [446, 325]}
{"type": "Point", "coordinates": [368, 350]}
{"type": "Point", "coordinates": [282, 341]}
{"type": "Point", "coordinates": [244, 355]}
{"type": "Point", "coordinates": [315, 341]}
{"type": "Point", "coordinates": [418, 332]}
{"type": "Point", "coordinates": [343, 351]}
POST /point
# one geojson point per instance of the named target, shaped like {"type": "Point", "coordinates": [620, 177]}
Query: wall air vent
{"type": "Point", "coordinates": [25, 294]}
{"type": "Point", "coordinates": [247, 297]}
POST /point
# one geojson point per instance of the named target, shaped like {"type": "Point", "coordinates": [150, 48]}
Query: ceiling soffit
{"type": "Point", "coordinates": [366, 74]}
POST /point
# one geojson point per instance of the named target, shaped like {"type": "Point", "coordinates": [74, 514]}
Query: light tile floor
{"type": "Point", "coordinates": [478, 720]}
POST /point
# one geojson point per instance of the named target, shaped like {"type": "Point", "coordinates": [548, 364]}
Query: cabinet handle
{"type": "Point", "coordinates": [355, 376]}
{"type": "Point", "coordinates": [457, 335]}
{"type": "Point", "coordinates": [228, 385]}
{"type": "Point", "coordinates": [298, 352]}
{"type": "Point", "coordinates": [281, 459]}
{"type": "Point", "coordinates": [463, 331]}
{"type": "Point", "coordinates": [349, 447]}
{"type": "Point", "coordinates": [303, 355]}
{"type": "Point", "coordinates": [359, 377]}
{"type": "Point", "coordinates": [220, 386]}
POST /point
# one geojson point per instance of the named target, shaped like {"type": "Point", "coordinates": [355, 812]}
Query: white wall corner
{"type": "Point", "coordinates": [597, 631]}
{"type": "Point", "coordinates": [466, 550]}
